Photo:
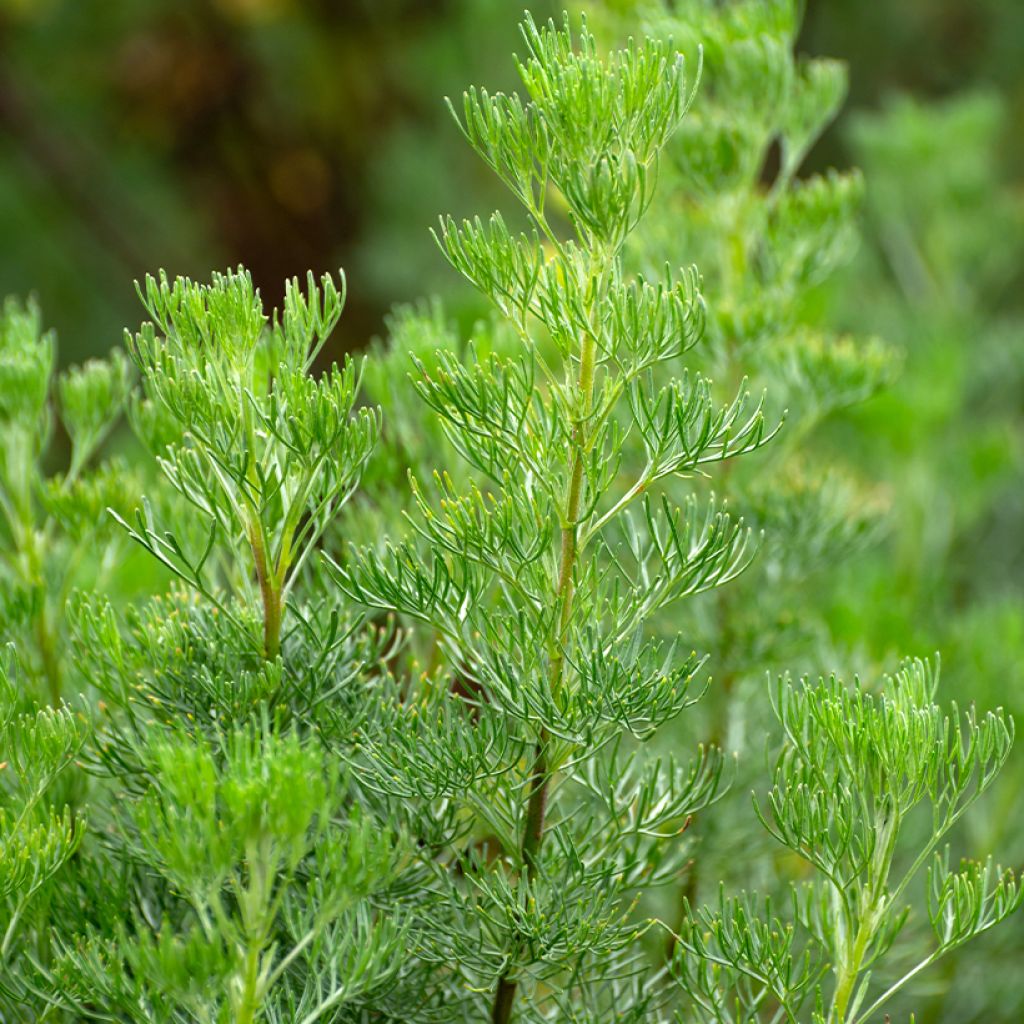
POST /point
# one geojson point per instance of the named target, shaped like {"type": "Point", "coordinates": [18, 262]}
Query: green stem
{"type": "Point", "coordinates": [875, 902]}
{"type": "Point", "coordinates": [46, 641]}
{"type": "Point", "coordinates": [256, 906]}
{"type": "Point", "coordinates": [896, 986]}
{"type": "Point", "coordinates": [270, 594]}
{"type": "Point", "coordinates": [272, 613]}
{"type": "Point", "coordinates": [533, 826]}
{"type": "Point", "coordinates": [250, 983]}
{"type": "Point", "coordinates": [849, 973]}
{"type": "Point", "coordinates": [271, 586]}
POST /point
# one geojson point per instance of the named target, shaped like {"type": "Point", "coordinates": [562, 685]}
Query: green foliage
{"type": "Point", "coordinates": [560, 536]}
{"type": "Point", "coordinates": [540, 580]}
{"type": "Point", "coordinates": [423, 729]}
{"type": "Point", "coordinates": [54, 532]}
{"type": "Point", "coordinates": [253, 838]}
{"type": "Point", "coordinates": [853, 768]}
{"type": "Point", "coordinates": [37, 835]}
{"type": "Point", "coordinates": [265, 452]}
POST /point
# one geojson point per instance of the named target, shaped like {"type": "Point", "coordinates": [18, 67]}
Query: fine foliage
{"type": "Point", "coordinates": [55, 533]}
{"type": "Point", "coordinates": [852, 770]}
{"type": "Point", "coordinates": [419, 720]}
{"type": "Point", "coordinates": [540, 579]}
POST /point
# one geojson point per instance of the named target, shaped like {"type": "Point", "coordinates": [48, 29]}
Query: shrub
{"type": "Point", "coordinates": [334, 775]}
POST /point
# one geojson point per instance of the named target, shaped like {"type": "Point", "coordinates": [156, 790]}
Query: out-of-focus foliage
{"type": "Point", "coordinates": [55, 531]}
{"type": "Point", "coordinates": [942, 271]}
{"type": "Point", "coordinates": [285, 135]}
{"type": "Point", "coordinates": [927, 48]}
{"type": "Point", "coordinates": [193, 134]}
{"type": "Point", "coordinates": [940, 274]}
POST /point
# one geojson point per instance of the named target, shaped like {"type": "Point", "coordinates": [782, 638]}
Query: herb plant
{"type": "Point", "coordinates": [540, 580]}
{"type": "Point", "coordinates": [265, 452]}
{"type": "Point", "coordinates": [767, 238]}
{"type": "Point", "coordinates": [54, 530]}
{"type": "Point", "coordinates": [37, 834]}
{"type": "Point", "coordinates": [449, 776]}
{"type": "Point", "coordinates": [249, 897]}
{"type": "Point", "coordinates": [852, 770]}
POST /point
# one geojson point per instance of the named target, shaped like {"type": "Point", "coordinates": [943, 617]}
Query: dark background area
{"type": "Point", "coordinates": [196, 134]}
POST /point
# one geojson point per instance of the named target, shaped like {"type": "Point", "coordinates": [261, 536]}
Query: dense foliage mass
{"type": "Point", "coordinates": [443, 688]}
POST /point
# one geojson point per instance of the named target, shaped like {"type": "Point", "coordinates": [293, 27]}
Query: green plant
{"type": "Point", "coordinates": [853, 768]}
{"type": "Point", "coordinates": [248, 876]}
{"type": "Point", "coordinates": [462, 801]}
{"type": "Point", "coordinates": [54, 531]}
{"type": "Point", "coordinates": [274, 876]}
{"type": "Point", "coordinates": [540, 580]}
{"type": "Point", "coordinates": [37, 834]}
{"type": "Point", "coordinates": [540, 572]}
{"type": "Point", "coordinates": [264, 451]}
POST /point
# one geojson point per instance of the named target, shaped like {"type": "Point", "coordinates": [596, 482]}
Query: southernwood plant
{"type": "Point", "coordinates": [327, 776]}
{"type": "Point", "coordinates": [766, 240]}
{"type": "Point", "coordinates": [54, 530]}
{"type": "Point", "coordinates": [937, 281]}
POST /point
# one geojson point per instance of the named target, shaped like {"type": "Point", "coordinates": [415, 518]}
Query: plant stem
{"type": "Point", "coordinates": [46, 640]}
{"type": "Point", "coordinates": [533, 830]}
{"type": "Point", "coordinates": [247, 1007]}
{"type": "Point", "coordinates": [270, 594]}
{"type": "Point", "coordinates": [504, 997]}
{"type": "Point", "coordinates": [257, 914]}
{"type": "Point", "coordinates": [849, 973]}
{"type": "Point", "coordinates": [533, 826]}
{"type": "Point", "coordinates": [271, 588]}
{"type": "Point", "coordinates": [875, 902]}
{"type": "Point", "coordinates": [271, 624]}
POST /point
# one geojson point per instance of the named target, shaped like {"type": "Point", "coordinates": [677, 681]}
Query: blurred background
{"type": "Point", "coordinates": [310, 134]}
{"type": "Point", "coordinates": [288, 135]}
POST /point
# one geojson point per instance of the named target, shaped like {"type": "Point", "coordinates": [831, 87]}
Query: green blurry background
{"type": "Point", "coordinates": [287, 135]}
{"type": "Point", "coordinates": [193, 134]}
